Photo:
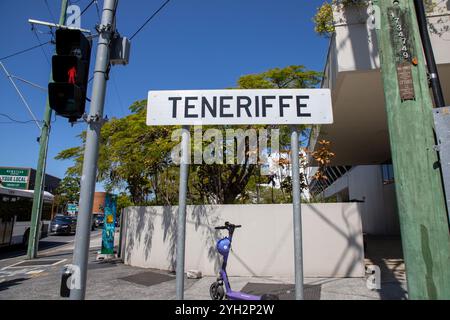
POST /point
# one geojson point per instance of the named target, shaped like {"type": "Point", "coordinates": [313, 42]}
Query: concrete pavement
{"type": "Point", "coordinates": [116, 281]}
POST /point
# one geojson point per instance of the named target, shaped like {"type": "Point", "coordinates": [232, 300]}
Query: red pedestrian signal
{"type": "Point", "coordinates": [70, 70]}
{"type": "Point", "coordinates": [71, 74]}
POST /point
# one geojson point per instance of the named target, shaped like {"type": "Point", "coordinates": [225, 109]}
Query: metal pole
{"type": "Point", "coordinates": [435, 83]}
{"type": "Point", "coordinates": [419, 191]}
{"type": "Point", "coordinates": [296, 200]}
{"type": "Point", "coordinates": [33, 237]}
{"type": "Point", "coordinates": [95, 120]}
{"type": "Point", "coordinates": [181, 224]}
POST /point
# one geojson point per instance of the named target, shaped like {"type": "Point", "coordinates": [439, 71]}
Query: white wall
{"type": "Point", "coordinates": [379, 211]}
{"type": "Point", "coordinates": [332, 239]}
{"type": "Point", "coordinates": [356, 42]}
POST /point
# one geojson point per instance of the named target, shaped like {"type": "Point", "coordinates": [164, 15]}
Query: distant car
{"type": "Point", "coordinates": [63, 225]}
{"type": "Point", "coordinates": [98, 220]}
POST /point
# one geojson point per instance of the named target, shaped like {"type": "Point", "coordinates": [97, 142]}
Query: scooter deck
{"type": "Point", "coordinates": [235, 295]}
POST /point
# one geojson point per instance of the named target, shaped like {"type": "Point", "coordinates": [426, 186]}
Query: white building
{"type": "Point", "coordinates": [361, 169]}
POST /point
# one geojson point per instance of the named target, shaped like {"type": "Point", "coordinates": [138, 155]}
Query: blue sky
{"type": "Point", "coordinates": [196, 44]}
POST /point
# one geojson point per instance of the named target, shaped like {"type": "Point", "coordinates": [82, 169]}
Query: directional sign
{"type": "Point", "coordinates": [236, 107]}
{"type": "Point", "coordinates": [16, 178]}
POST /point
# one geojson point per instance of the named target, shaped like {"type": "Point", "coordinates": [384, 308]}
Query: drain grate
{"type": "Point", "coordinates": [36, 263]}
{"type": "Point", "coordinates": [284, 291]}
{"type": "Point", "coordinates": [148, 278]}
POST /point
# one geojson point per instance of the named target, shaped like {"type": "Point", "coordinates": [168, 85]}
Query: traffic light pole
{"type": "Point", "coordinates": [33, 236]}
{"type": "Point", "coordinates": [88, 178]}
{"type": "Point", "coordinates": [420, 198]}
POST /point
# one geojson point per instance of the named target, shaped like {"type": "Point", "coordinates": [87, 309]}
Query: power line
{"type": "Point", "coordinates": [87, 7]}
{"type": "Point", "coordinates": [117, 93]}
{"type": "Point", "coordinates": [39, 41]}
{"type": "Point", "coordinates": [25, 50]}
{"type": "Point", "coordinates": [20, 95]}
{"type": "Point", "coordinates": [14, 120]}
{"type": "Point", "coordinates": [98, 10]}
{"type": "Point", "coordinates": [29, 82]}
{"type": "Point", "coordinates": [50, 11]}
{"type": "Point", "coordinates": [150, 18]}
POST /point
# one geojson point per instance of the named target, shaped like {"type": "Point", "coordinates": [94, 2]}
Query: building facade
{"type": "Point", "coordinates": [362, 170]}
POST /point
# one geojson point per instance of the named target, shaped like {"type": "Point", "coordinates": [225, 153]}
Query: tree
{"type": "Point", "coordinates": [131, 155]}
{"type": "Point", "coordinates": [219, 183]}
{"type": "Point", "coordinates": [68, 191]}
{"type": "Point", "coordinates": [137, 158]}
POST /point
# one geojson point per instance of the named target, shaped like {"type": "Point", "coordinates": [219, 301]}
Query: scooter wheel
{"type": "Point", "coordinates": [216, 291]}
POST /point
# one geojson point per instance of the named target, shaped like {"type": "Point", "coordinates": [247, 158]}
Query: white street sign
{"type": "Point", "coordinates": [236, 107]}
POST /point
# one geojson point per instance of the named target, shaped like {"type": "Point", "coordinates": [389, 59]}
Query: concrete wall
{"type": "Point", "coordinates": [379, 210]}
{"type": "Point", "coordinates": [332, 239]}
{"type": "Point", "coordinates": [356, 41]}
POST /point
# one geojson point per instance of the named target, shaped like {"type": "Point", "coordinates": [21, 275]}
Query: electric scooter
{"type": "Point", "coordinates": [216, 290]}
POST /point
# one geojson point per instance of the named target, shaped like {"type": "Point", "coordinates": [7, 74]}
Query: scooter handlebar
{"type": "Point", "coordinates": [227, 226]}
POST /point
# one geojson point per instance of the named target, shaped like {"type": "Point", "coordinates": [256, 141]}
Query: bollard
{"type": "Point", "coordinates": [65, 290]}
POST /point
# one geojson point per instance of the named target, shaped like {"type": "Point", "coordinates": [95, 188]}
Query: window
{"type": "Point", "coordinates": [388, 173]}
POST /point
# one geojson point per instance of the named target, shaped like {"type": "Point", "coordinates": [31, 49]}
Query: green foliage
{"type": "Point", "coordinates": [68, 191]}
{"type": "Point", "coordinates": [123, 201]}
{"type": "Point", "coordinates": [323, 19]}
{"type": "Point", "coordinates": [135, 158]}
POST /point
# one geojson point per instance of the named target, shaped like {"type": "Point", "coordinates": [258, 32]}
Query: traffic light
{"type": "Point", "coordinates": [70, 71]}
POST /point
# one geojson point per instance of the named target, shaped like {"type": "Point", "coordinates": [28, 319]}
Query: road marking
{"type": "Point", "coordinates": [33, 272]}
{"type": "Point", "coordinates": [17, 264]}
{"type": "Point", "coordinates": [58, 262]}
{"type": "Point", "coordinates": [4, 268]}
{"type": "Point", "coordinates": [97, 234]}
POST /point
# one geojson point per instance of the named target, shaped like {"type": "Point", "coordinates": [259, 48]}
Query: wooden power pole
{"type": "Point", "coordinates": [420, 197]}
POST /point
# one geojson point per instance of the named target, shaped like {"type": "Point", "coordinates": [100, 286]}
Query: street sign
{"type": "Point", "coordinates": [73, 13]}
{"type": "Point", "coordinates": [15, 178]}
{"type": "Point", "coordinates": [237, 107]}
{"type": "Point", "coordinates": [72, 208]}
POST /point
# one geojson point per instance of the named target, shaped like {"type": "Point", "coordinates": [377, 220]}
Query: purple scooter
{"type": "Point", "coordinates": [216, 290]}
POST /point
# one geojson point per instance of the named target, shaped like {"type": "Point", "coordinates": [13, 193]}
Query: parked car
{"type": "Point", "coordinates": [98, 219]}
{"type": "Point", "coordinates": [63, 225]}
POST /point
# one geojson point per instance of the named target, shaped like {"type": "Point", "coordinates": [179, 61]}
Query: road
{"type": "Point", "coordinates": [48, 245]}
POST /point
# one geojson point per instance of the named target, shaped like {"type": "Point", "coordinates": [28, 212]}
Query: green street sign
{"type": "Point", "coordinates": [72, 208]}
{"type": "Point", "coordinates": [14, 178]}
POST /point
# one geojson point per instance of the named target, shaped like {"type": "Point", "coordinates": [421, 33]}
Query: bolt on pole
{"type": "Point", "coordinates": [95, 120]}
{"type": "Point", "coordinates": [33, 236]}
{"type": "Point", "coordinates": [297, 212]}
{"type": "Point", "coordinates": [181, 224]}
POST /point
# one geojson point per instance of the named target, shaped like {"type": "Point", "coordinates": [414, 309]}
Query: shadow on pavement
{"type": "Point", "coordinates": [5, 285]}
{"type": "Point", "coordinates": [19, 250]}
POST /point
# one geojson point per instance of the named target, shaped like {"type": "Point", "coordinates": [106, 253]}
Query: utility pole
{"type": "Point", "coordinates": [419, 190]}
{"type": "Point", "coordinates": [33, 236]}
{"type": "Point", "coordinates": [95, 120]}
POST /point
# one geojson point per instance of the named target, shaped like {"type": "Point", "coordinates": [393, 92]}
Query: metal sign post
{"type": "Point", "coordinates": [181, 224]}
{"type": "Point", "coordinates": [297, 212]}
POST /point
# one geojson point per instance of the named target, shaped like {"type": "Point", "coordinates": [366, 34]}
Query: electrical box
{"type": "Point", "coordinates": [120, 51]}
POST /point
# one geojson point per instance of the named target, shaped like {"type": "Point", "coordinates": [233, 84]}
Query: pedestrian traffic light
{"type": "Point", "coordinates": [70, 70]}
